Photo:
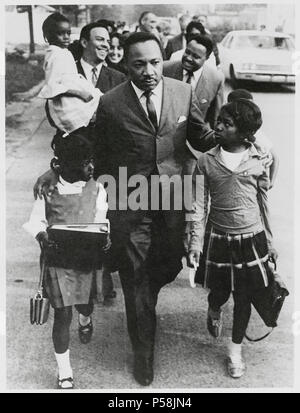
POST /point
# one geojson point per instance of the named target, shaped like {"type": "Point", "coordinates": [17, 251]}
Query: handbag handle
{"type": "Point", "coordinates": [254, 340]}
{"type": "Point", "coordinates": [42, 273]}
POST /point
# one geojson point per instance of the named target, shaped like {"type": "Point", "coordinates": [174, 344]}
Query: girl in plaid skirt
{"type": "Point", "coordinates": [233, 242]}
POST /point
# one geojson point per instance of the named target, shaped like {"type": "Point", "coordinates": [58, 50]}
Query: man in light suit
{"type": "Point", "coordinates": [142, 126]}
{"type": "Point", "coordinates": [207, 82]}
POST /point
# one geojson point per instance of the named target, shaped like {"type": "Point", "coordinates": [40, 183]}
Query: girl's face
{"type": "Point", "coordinates": [116, 51]}
{"type": "Point", "coordinates": [227, 134]}
{"type": "Point", "coordinates": [74, 171]}
{"type": "Point", "coordinates": [61, 35]}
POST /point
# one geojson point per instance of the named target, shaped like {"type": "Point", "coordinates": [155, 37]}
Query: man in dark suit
{"type": "Point", "coordinates": [178, 42]}
{"type": "Point", "coordinates": [95, 42]}
{"type": "Point", "coordinates": [206, 81]}
{"type": "Point", "coordinates": [141, 131]}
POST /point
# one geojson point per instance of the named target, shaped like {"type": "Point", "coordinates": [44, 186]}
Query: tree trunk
{"type": "Point", "coordinates": [31, 45]}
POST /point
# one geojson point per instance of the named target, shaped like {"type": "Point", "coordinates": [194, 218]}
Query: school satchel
{"type": "Point", "coordinates": [39, 305]}
{"type": "Point", "coordinates": [268, 301]}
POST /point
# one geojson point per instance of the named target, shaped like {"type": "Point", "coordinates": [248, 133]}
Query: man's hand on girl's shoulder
{"type": "Point", "coordinates": [45, 184]}
{"type": "Point", "coordinates": [264, 153]}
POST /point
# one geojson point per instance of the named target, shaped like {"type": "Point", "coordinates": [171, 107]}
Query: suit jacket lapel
{"type": "Point", "coordinates": [80, 68]}
{"type": "Point", "coordinates": [104, 80]}
{"type": "Point", "coordinates": [166, 101]}
{"type": "Point", "coordinates": [135, 105]}
{"type": "Point", "coordinates": [201, 88]}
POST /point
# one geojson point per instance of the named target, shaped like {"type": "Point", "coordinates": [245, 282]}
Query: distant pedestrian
{"type": "Point", "coordinates": [236, 245]}
{"type": "Point", "coordinates": [70, 277]}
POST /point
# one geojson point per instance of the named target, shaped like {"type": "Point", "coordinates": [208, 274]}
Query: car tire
{"type": "Point", "coordinates": [235, 83]}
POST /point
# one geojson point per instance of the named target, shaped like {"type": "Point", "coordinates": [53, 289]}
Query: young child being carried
{"type": "Point", "coordinates": [233, 241]}
{"type": "Point", "coordinates": [71, 99]}
{"type": "Point", "coordinates": [70, 271]}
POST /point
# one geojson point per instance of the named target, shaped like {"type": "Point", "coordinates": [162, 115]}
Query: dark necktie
{"type": "Point", "coordinates": [151, 109]}
{"type": "Point", "coordinates": [94, 76]}
{"type": "Point", "coordinates": [189, 77]}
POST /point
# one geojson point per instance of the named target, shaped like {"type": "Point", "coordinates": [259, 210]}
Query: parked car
{"type": "Point", "coordinates": [260, 56]}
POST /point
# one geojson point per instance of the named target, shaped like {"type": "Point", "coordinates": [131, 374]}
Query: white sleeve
{"type": "Point", "coordinates": [101, 204]}
{"type": "Point", "coordinates": [37, 221]}
{"type": "Point", "coordinates": [60, 69]}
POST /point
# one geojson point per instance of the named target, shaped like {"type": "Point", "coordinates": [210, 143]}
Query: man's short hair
{"type": "Point", "coordinates": [197, 16]}
{"type": "Point", "coordinates": [86, 30]}
{"type": "Point", "coordinates": [139, 37]}
{"type": "Point", "coordinates": [144, 14]}
{"type": "Point", "coordinates": [184, 16]}
{"type": "Point", "coordinates": [195, 25]}
{"type": "Point", "coordinates": [204, 41]}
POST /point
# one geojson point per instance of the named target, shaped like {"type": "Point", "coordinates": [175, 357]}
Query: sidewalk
{"type": "Point", "coordinates": [186, 356]}
{"type": "Point", "coordinates": [23, 118]}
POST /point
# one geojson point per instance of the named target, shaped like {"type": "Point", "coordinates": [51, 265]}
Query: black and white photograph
{"type": "Point", "coordinates": [149, 222]}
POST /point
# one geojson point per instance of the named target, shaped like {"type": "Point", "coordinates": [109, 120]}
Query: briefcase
{"type": "Point", "coordinates": [268, 301]}
{"type": "Point", "coordinates": [39, 305]}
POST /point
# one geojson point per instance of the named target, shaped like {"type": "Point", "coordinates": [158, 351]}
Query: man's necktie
{"type": "Point", "coordinates": [151, 109]}
{"type": "Point", "coordinates": [94, 76]}
{"type": "Point", "coordinates": [189, 77]}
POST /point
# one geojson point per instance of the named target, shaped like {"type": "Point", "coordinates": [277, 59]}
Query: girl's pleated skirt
{"type": "Point", "coordinates": [233, 262]}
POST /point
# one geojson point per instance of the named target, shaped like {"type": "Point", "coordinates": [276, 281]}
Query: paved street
{"type": "Point", "coordinates": [186, 356]}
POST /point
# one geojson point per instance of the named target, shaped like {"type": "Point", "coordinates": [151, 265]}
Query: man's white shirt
{"type": "Point", "coordinates": [156, 98]}
{"type": "Point", "coordinates": [88, 69]}
{"type": "Point", "coordinates": [195, 78]}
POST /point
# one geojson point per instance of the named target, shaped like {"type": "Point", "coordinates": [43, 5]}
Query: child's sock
{"type": "Point", "coordinates": [83, 320]}
{"type": "Point", "coordinates": [64, 366]}
{"type": "Point", "coordinates": [235, 351]}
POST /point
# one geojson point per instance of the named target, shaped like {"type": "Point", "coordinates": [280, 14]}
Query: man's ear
{"type": "Point", "coordinates": [83, 42]}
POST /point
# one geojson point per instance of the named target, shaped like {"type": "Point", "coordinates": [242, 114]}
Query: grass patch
{"type": "Point", "coordinates": [21, 75]}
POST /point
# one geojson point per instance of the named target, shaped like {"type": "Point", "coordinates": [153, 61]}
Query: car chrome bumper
{"type": "Point", "coordinates": [266, 77]}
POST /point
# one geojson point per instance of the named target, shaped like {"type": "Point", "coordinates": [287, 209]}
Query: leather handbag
{"type": "Point", "coordinates": [268, 301]}
{"type": "Point", "coordinates": [39, 305]}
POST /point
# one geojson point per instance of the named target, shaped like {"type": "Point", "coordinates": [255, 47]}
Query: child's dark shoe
{"type": "Point", "coordinates": [85, 332]}
{"type": "Point", "coordinates": [214, 322]}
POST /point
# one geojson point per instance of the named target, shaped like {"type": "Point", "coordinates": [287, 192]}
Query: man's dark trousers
{"type": "Point", "coordinates": [150, 257]}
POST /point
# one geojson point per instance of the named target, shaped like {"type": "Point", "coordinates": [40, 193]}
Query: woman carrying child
{"type": "Point", "coordinates": [70, 273]}
{"type": "Point", "coordinates": [233, 242]}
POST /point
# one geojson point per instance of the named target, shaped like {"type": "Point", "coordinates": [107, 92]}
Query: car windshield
{"type": "Point", "coordinates": [263, 42]}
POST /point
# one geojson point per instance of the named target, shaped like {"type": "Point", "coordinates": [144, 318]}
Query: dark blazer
{"type": "Point", "coordinates": [126, 138]}
{"type": "Point", "coordinates": [209, 90]}
{"type": "Point", "coordinates": [108, 79]}
{"type": "Point", "coordinates": [173, 45]}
